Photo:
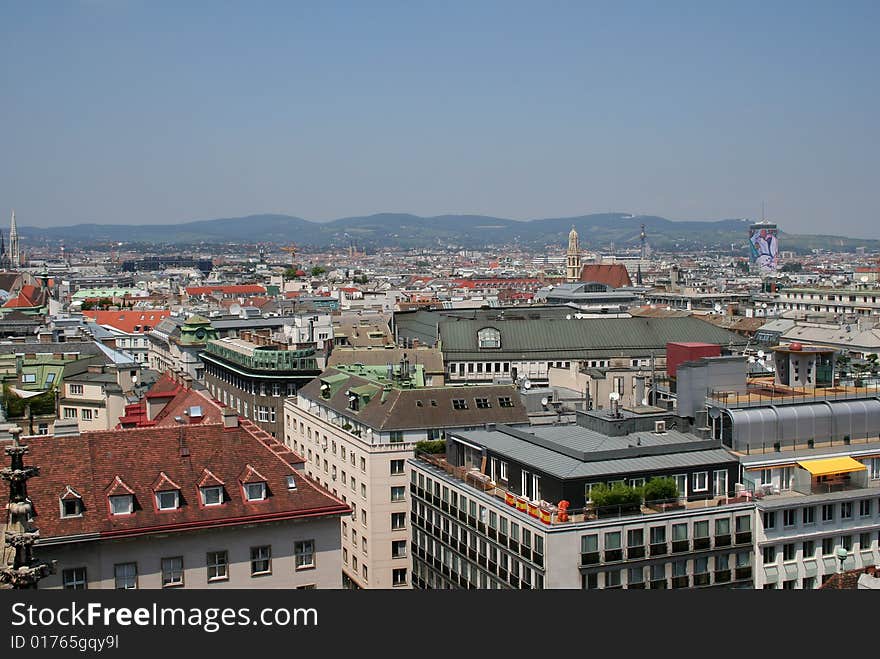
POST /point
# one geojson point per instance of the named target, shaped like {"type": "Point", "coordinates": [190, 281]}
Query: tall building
{"type": "Point", "coordinates": [357, 426]}
{"type": "Point", "coordinates": [519, 508]}
{"type": "Point", "coordinates": [573, 258]}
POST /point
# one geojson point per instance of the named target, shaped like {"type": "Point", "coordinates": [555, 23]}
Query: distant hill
{"type": "Point", "coordinates": [597, 231]}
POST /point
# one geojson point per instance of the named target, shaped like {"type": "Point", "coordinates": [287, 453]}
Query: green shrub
{"type": "Point", "coordinates": [658, 489]}
{"type": "Point", "coordinates": [617, 495]}
{"type": "Point", "coordinates": [432, 446]}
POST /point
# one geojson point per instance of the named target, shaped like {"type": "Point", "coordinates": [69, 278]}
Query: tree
{"type": "Point", "coordinates": [742, 266]}
{"type": "Point", "coordinates": [658, 489]}
{"type": "Point", "coordinates": [317, 271]}
{"type": "Point", "coordinates": [793, 266]}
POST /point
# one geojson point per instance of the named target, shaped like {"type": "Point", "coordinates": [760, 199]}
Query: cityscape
{"type": "Point", "coordinates": [406, 297]}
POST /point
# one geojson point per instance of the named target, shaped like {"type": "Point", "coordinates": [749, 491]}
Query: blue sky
{"type": "Point", "coordinates": [129, 111]}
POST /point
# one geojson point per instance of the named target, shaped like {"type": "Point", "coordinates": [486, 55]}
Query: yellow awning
{"type": "Point", "coordinates": [832, 466]}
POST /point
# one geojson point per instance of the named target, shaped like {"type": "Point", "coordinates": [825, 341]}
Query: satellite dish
{"type": "Point", "coordinates": [751, 360]}
{"type": "Point", "coordinates": [864, 279]}
{"type": "Point", "coordinates": [714, 412]}
{"type": "Point", "coordinates": [527, 384]}
{"type": "Point", "coordinates": [614, 396]}
{"type": "Point", "coordinates": [544, 401]}
{"type": "Point", "coordinates": [235, 309]}
{"type": "Point", "coordinates": [717, 307]}
{"type": "Point", "coordinates": [568, 316]}
{"type": "Point", "coordinates": [761, 354]}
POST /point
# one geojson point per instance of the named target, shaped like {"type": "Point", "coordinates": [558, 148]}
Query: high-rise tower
{"type": "Point", "coordinates": [573, 259]}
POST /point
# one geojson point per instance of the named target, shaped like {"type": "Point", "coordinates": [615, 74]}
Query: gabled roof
{"type": "Point", "coordinates": [118, 486]}
{"type": "Point", "coordinates": [70, 493]}
{"type": "Point", "coordinates": [209, 479]}
{"type": "Point", "coordinates": [129, 322]}
{"type": "Point", "coordinates": [163, 483]}
{"type": "Point", "coordinates": [251, 475]}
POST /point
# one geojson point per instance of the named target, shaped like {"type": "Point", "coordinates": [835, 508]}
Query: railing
{"type": "Point", "coordinates": [769, 393]}
{"type": "Point", "coordinates": [552, 514]}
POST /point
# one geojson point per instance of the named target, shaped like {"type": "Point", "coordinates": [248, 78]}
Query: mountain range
{"type": "Point", "coordinates": [596, 231]}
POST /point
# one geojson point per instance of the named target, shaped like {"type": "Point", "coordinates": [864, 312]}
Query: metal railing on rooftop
{"type": "Point", "coordinates": [763, 394]}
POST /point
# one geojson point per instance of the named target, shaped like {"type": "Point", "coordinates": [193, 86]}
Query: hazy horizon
{"type": "Point", "coordinates": [135, 112]}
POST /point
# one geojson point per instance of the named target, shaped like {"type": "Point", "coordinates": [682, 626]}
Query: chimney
{"type": "Point", "coordinates": [186, 380]}
{"type": "Point", "coordinates": [110, 342]}
{"type": "Point", "coordinates": [45, 337]}
{"type": "Point", "coordinates": [230, 418]}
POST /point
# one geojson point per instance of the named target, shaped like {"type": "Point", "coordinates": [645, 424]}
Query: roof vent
{"type": "Point", "coordinates": [660, 427]}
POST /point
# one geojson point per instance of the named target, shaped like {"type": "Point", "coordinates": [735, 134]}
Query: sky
{"type": "Point", "coordinates": [143, 111]}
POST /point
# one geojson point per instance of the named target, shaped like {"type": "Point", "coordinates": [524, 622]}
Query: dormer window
{"type": "Point", "coordinates": [212, 496]}
{"type": "Point", "coordinates": [120, 497]}
{"type": "Point", "coordinates": [291, 482]}
{"type": "Point", "coordinates": [71, 503]}
{"type": "Point", "coordinates": [489, 337]}
{"type": "Point", "coordinates": [253, 484]}
{"type": "Point", "coordinates": [168, 500]}
{"type": "Point", "coordinates": [122, 504]}
{"type": "Point", "coordinates": [255, 491]}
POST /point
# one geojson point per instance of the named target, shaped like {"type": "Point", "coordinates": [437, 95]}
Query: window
{"type": "Point", "coordinates": [808, 548]}
{"type": "Point", "coordinates": [489, 337]}
{"type": "Point", "coordinates": [364, 490]}
{"type": "Point", "coordinates": [505, 401]}
{"type": "Point", "coordinates": [788, 551]}
{"type": "Point", "coordinates": [612, 578]}
{"type": "Point", "coordinates": [396, 436]}
{"type": "Point", "coordinates": [212, 496]}
{"type": "Point", "coordinates": [789, 517]}
{"type": "Point", "coordinates": [291, 481]}
{"type": "Point", "coordinates": [873, 465]}
{"type": "Point", "coordinates": [70, 413]}
{"type": "Point", "coordinates": [255, 491]}
{"type": "Point", "coordinates": [827, 546]}
{"type": "Point", "coordinates": [168, 500]}
{"type": "Point", "coordinates": [87, 414]}
{"type": "Point", "coordinates": [74, 579]}
{"type": "Point", "coordinates": [304, 554]}
{"type": "Point", "coordinates": [864, 507]}
{"type": "Point", "coordinates": [125, 576]}
{"type": "Point", "coordinates": [770, 519]}
{"type": "Point", "coordinates": [172, 572]}
{"type": "Point", "coordinates": [29, 378]}
{"type": "Point", "coordinates": [398, 548]}
{"type": "Point", "coordinates": [701, 481]}
{"type": "Point", "coordinates": [71, 507]}
{"type": "Point", "coordinates": [846, 541]}
{"type": "Point", "coordinates": [846, 510]}
{"type": "Point", "coordinates": [363, 464]}
{"type": "Point", "coordinates": [770, 554]}
{"type": "Point", "coordinates": [865, 541]}
{"type": "Point", "coordinates": [122, 504]}
{"type": "Point", "coordinates": [396, 467]}
{"type": "Point", "coordinates": [76, 389]}
{"type": "Point", "coordinates": [218, 565]}
{"type": "Point", "coordinates": [398, 521]}
{"type": "Point", "coordinates": [828, 512]}
{"type": "Point", "coordinates": [398, 577]}
{"type": "Point", "coordinates": [261, 560]}
{"type": "Point", "coordinates": [482, 403]}
{"type": "Point", "coordinates": [459, 404]}
{"type": "Point", "coordinates": [809, 515]}
{"type": "Point", "coordinates": [397, 493]}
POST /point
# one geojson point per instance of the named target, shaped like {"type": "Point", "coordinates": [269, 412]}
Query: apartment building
{"type": "Point", "coordinates": [512, 508]}
{"type": "Point", "coordinates": [255, 373]}
{"type": "Point", "coordinates": [357, 426]}
{"type": "Point", "coordinates": [95, 397]}
{"type": "Point", "coordinates": [130, 329]}
{"type": "Point", "coordinates": [862, 302]}
{"type": "Point", "coordinates": [176, 344]}
{"type": "Point", "coordinates": [211, 503]}
{"type": "Point", "coordinates": [818, 513]}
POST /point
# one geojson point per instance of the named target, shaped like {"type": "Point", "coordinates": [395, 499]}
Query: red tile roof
{"type": "Point", "coordinates": [610, 274]}
{"type": "Point", "coordinates": [97, 464]}
{"type": "Point", "coordinates": [129, 322]}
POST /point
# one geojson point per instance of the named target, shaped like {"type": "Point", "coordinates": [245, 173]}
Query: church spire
{"type": "Point", "coordinates": [14, 248]}
{"type": "Point", "coordinates": [573, 258]}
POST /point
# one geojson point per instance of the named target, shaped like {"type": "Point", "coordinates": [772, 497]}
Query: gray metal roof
{"type": "Point", "coordinates": [564, 466]}
{"type": "Point", "coordinates": [548, 338]}
{"type": "Point", "coordinates": [860, 448]}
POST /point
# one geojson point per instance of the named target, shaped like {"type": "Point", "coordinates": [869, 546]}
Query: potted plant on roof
{"type": "Point", "coordinates": [617, 500]}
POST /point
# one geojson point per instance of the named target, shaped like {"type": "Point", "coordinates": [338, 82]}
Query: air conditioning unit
{"type": "Point", "coordinates": [659, 427]}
